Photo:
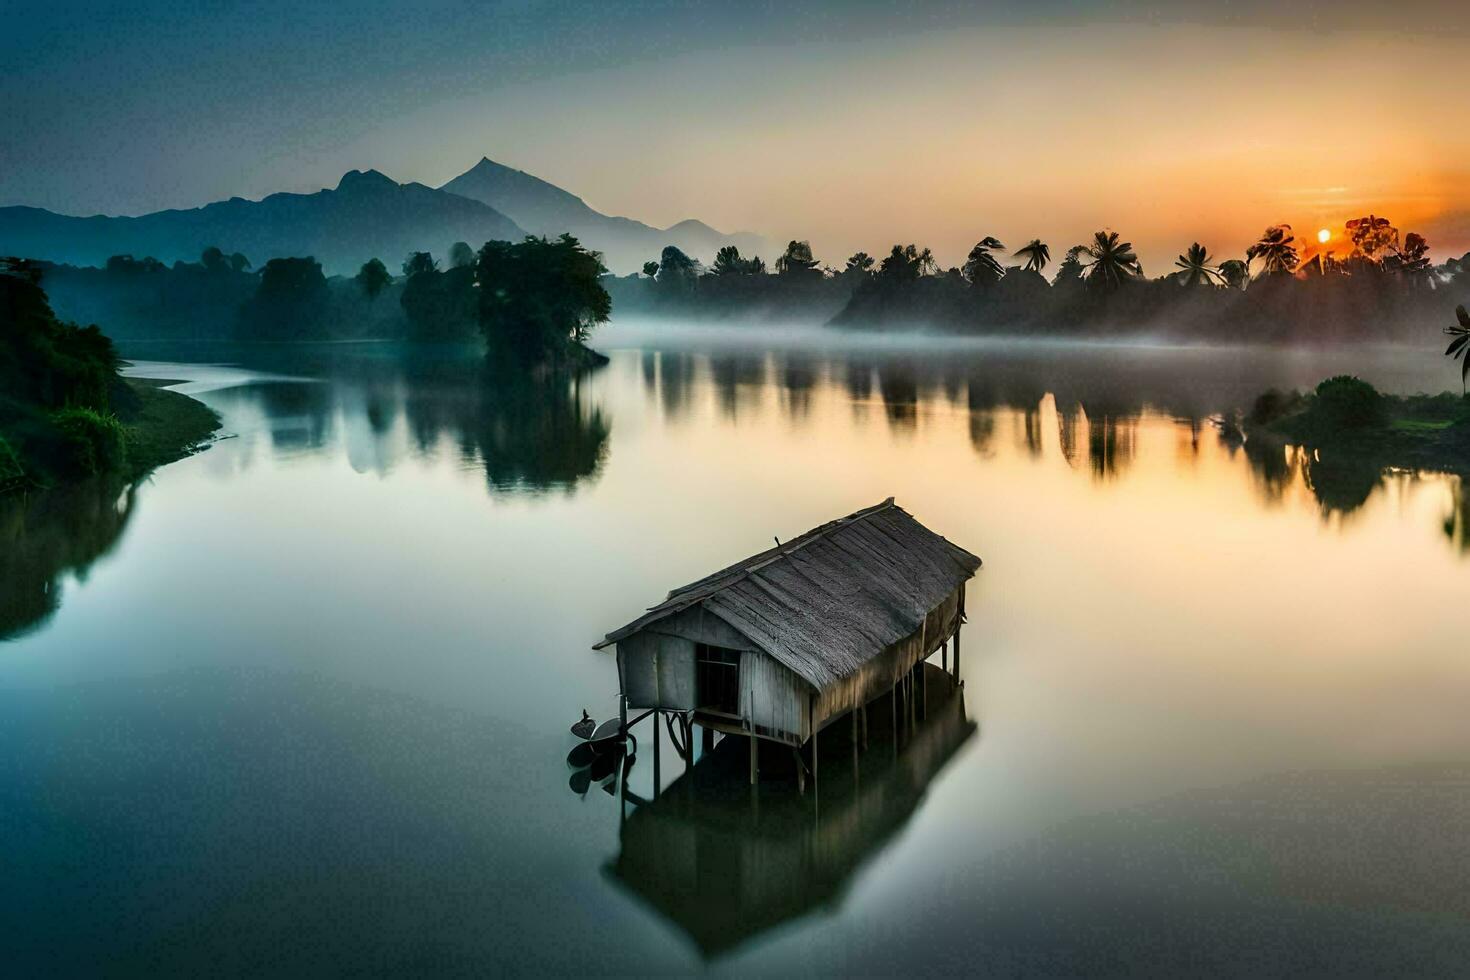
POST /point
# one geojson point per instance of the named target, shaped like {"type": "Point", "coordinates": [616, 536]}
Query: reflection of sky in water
{"type": "Point", "coordinates": [342, 648]}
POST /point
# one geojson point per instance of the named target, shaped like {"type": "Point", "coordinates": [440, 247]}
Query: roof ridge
{"type": "Point", "coordinates": [781, 551]}
{"type": "Point", "coordinates": [818, 533]}
{"type": "Point", "coordinates": [880, 544]}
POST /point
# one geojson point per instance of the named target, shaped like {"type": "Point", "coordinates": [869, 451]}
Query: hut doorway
{"type": "Point", "coordinates": [717, 679]}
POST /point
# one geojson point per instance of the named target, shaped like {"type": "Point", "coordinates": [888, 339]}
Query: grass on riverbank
{"type": "Point", "coordinates": [146, 428]}
{"type": "Point", "coordinates": [163, 426]}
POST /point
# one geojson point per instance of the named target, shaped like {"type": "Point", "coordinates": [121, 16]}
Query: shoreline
{"type": "Point", "coordinates": [164, 426]}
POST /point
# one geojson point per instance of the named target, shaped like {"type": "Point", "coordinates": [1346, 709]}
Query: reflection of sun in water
{"type": "Point", "coordinates": [1323, 236]}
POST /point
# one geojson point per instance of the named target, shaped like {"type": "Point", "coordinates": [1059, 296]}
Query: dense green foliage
{"type": "Point", "coordinates": [143, 298]}
{"type": "Point", "coordinates": [373, 277]}
{"type": "Point", "coordinates": [1346, 402]}
{"type": "Point", "coordinates": [63, 407]}
{"type": "Point", "coordinates": [545, 297]}
{"type": "Point", "coordinates": [540, 298]}
{"type": "Point", "coordinates": [93, 442]}
{"type": "Point", "coordinates": [1356, 430]}
{"type": "Point", "coordinates": [291, 300]}
{"type": "Point", "coordinates": [57, 384]}
{"type": "Point", "coordinates": [439, 306]}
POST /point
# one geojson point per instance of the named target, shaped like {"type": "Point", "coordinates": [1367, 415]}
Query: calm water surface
{"type": "Point", "coordinates": [299, 703]}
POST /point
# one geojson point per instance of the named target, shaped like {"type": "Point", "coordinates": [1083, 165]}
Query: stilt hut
{"type": "Point", "coordinates": [787, 641]}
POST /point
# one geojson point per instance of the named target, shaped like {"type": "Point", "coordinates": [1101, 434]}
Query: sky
{"type": "Point", "coordinates": [853, 125]}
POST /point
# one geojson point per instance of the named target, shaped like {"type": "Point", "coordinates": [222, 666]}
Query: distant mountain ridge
{"type": "Point", "coordinates": [545, 209]}
{"type": "Point", "coordinates": [367, 215]}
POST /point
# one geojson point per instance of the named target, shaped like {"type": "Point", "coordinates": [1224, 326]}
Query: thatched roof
{"type": "Point", "coordinates": [828, 601]}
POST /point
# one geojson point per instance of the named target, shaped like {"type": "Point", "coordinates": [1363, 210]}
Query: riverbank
{"type": "Point", "coordinates": [149, 427]}
{"type": "Point", "coordinates": [165, 426]}
{"type": "Point", "coordinates": [1348, 419]}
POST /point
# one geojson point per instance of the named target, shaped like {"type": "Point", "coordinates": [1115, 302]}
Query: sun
{"type": "Point", "coordinates": [1324, 236]}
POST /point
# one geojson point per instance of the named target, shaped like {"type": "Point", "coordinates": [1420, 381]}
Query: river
{"type": "Point", "coordinates": [299, 703]}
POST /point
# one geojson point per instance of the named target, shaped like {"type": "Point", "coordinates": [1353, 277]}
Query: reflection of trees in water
{"type": "Point", "coordinates": [1068, 422]}
{"type": "Point", "coordinates": [1273, 468]}
{"type": "Point", "coordinates": [858, 378]}
{"type": "Point", "coordinates": [46, 535]}
{"type": "Point", "coordinates": [900, 392]}
{"type": "Point", "coordinates": [675, 382]}
{"type": "Point", "coordinates": [535, 434]}
{"type": "Point", "coordinates": [527, 432]}
{"type": "Point", "coordinates": [1341, 483]}
{"type": "Point", "coordinates": [1457, 521]}
{"type": "Point", "coordinates": [1031, 431]}
{"type": "Point", "coordinates": [980, 400]}
{"type": "Point", "coordinates": [797, 375]}
{"type": "Point", "coordinates": [300, 414]}
{"type": "Point", "coordinates": [737, 379]}
{"type": "Point", "coordinates": [1112, 442]}
{"type": "Point", "coordinates": [726, 868]}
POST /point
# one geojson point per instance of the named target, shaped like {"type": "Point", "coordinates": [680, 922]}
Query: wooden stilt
{"type": "Point", "coordinates": [753, 769]}
{"type": "Point", "coordinates": [657, 738]}
{"type": "Point", "coordinates": [944, 656]}
{"type": "Point", "coordinates": [854, 740]}
{"type": "Point", "coordinates": [924, 686]}
{"type": "Point", "coordinates": [814, 761]}
{"type": "Point", "coordinates": [800, 770]}
{"type": "Point", "coordinates": [865, 727]}
{"type": "Point", "coordinates": [909, 691]}
{"type": "Point", "coordinates": [957, 653]}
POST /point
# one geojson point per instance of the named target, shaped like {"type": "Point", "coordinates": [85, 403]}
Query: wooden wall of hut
{"type": "Point", "coordinates": [885, 670]}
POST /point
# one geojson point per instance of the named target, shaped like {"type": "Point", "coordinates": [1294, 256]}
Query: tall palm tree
{"type": "Point", "coordinates": [1112, 262]}
{"type": "Point", "coordinates": [1198, 266]}
{"type": "Point", "coordinates": [1460, 346]}
{"type": "Point", "coordinates": [1036, 253]}
{"type": "Point", "coordinates": [982, 267]}
{"type": "Point", "coordinates": [1276, 249]}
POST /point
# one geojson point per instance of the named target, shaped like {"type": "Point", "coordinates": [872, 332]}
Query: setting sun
{"type": "Point", "coordinates": [1324, 235]}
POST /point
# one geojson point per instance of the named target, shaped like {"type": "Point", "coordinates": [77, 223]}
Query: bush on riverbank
{"type": "Point", "coordinates": [1346, 402]}
{"type": "Point", "coordinates": [91, 442]}
{"type": "Point", "coordinates": [1349, 419]}
{"type": "Point", "coordinates": [65, 413]}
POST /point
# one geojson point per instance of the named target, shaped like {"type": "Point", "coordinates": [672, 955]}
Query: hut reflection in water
{"type": "Point", "coordinates": [724, 864]}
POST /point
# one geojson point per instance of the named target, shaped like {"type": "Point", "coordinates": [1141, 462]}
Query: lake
{"type": "Point", "coordinates": [299, 703]}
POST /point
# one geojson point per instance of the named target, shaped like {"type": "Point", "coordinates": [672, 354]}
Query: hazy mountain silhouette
{"type": "Point", "coordinates": [545, 209]}
{"type": "Point", "coordinates": [366, 215]}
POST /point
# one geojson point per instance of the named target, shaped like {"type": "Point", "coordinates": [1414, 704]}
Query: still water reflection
{"type": "Point", "coordinates": [300, 702]}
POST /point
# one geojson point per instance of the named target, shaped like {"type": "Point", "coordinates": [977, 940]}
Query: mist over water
{"type": "Point", "coordinates": [302, 699]}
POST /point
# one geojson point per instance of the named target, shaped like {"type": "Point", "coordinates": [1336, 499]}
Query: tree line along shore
{"type": "Point", "coordinates": [1366, 283]}
{"type": "Point", "coordinates": [533, 305]}
{"type": "Point", "coordinates": [67, 414]}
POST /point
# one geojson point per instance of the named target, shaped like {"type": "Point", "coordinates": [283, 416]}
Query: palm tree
{"type": "Point", "coordinates": [1196, 263]}
{"type": "Point", "coordinates": [1037, 254]}
{"type": "Point", "coordinates": [1234, 272]}
{"type": "Point", "coordinates": [1113, 262]}
{"type": "Point", "coordinates": [1275, 250]}
{"type": "Point", "coordinates": [981, 266]}
{"type": "Point", "coordinates": [1461, 343]}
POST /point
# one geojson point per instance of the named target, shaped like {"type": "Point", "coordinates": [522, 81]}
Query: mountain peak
{"type": "Point", "coordinates": [364, 180]}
